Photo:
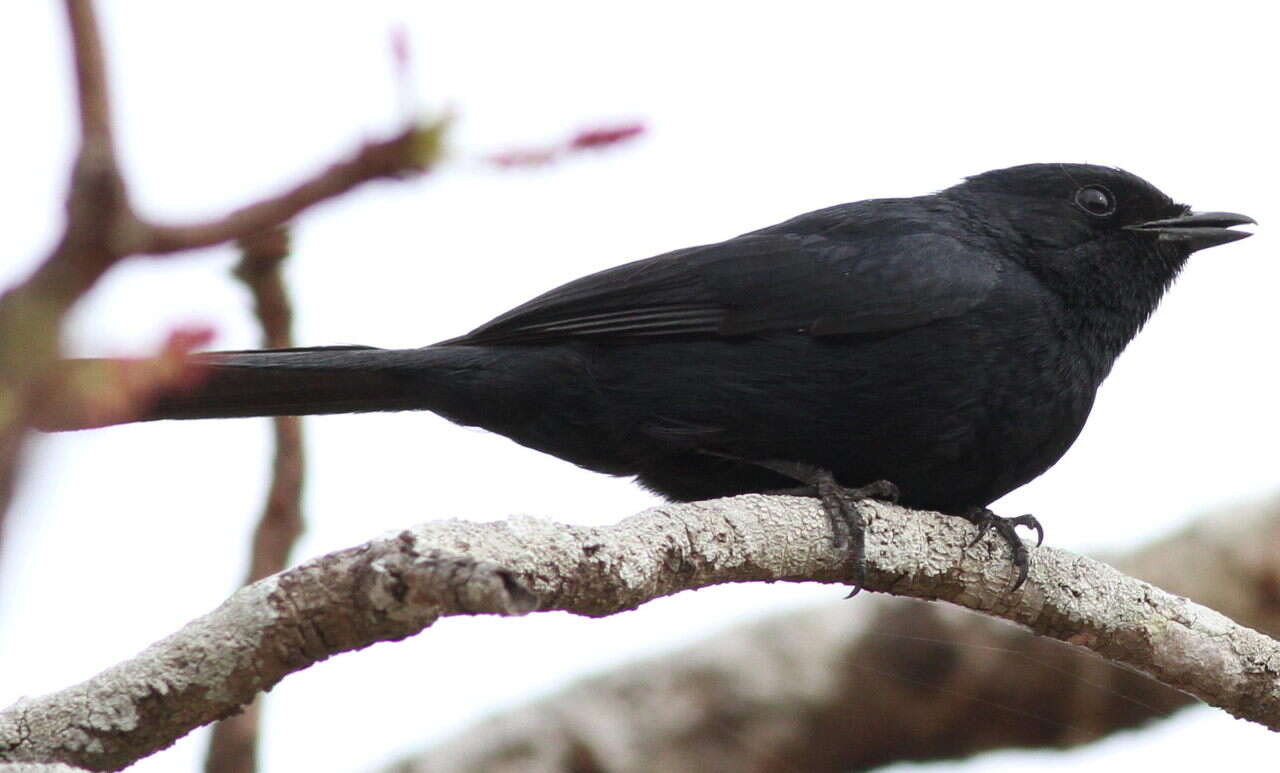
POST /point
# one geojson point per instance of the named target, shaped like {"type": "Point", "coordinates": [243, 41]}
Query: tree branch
{"type": "Point", "coordinates": [394, 587]}
{"type": "Point", "coordinates": [843, 687]}
{"type": "Point", "coordinates": [102, 229]}
{"type": "Point", "coordinates": [91, 75]}
{"type": "Point", "coordinates": [281, 522]}
{"type": "Point", "coordinates": [31, 316]}
{"type": "Point", "coordinates": [412, 150]}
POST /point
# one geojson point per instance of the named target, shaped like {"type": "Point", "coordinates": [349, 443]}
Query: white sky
{"type": "Point", "coordinates": [757, 112]}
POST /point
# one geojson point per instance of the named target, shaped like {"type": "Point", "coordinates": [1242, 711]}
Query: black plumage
{"type": "Point", "coordinates": [950, 343]}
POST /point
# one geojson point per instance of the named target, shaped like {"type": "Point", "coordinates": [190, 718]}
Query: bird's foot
{"type": "Point", "coordinates": [986, 521]}
{"type": "Point", "coordinates": [840, 503]}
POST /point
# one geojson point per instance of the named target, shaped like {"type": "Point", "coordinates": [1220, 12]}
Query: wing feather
{"type": "Point", "coordinates": [847, 270]}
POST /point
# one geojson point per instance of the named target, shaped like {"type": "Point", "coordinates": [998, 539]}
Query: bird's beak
{"type": "Point", "coordinates": [1197, 230]}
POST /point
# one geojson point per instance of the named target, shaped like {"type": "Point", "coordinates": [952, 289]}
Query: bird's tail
{"type": "Point", "coordinates": [546, 398]}
{"type": "Point", "coordinates": [501, 389]}
{"type": "Point", "coordinates": [295, 382]}
{"type": "Point", "coordinates": [268, 382]}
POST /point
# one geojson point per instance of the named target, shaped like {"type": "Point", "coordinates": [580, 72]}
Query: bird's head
{"type": "Point", "coordinates": [1078, 225]}
{"type": "Point", "coordinates": [1063, 206]}
{"type": "Point", "coordinates": [1106, 241]}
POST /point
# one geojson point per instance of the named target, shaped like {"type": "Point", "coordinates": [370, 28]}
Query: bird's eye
{"type": "Point", "coordinates": [1096, 200]}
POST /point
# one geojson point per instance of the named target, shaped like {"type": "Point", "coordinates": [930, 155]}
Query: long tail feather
{"type": "Point", "coordinates": [287, 382]}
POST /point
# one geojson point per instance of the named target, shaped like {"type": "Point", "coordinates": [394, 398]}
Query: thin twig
{"type": "Point", "coordinates": [91, 75]}
{"type": "Point", "coordinates": [411, 150]}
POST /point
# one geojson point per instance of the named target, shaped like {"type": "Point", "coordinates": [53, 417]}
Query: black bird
{"type": "Point", "coordinates": [949, 343]}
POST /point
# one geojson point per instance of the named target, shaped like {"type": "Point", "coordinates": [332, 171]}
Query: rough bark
{"type": "Point", "coordinates": [396, 586]}
{"type": "Point", "coordinates": [853, 686]}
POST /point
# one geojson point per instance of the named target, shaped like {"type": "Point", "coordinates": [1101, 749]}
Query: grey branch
{"type": "Point", "coordinates": [844, 687]}
{"type": "Point", "coordinates": [394, 587]}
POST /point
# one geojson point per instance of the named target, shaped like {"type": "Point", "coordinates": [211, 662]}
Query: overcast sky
{"type": "Point", "coordinates": [757, 112]}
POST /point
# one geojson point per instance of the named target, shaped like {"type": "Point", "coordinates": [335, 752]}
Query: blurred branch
{"type": "Point", "coordinates": [234, 742]}
{"type": "Point", "coordinates": [396, 586]}
{"type": "Point", "coordinates": [846, 687]}
{"type": "Point", "coordinates": [102, 229]}
{"type": "Point", "coordinates": [585, 139]}
{"type": "Point", "coordinates": [410, 151]}
{"type": "Point", "coordinates": [91, 76]}
{"type": "Point", "coordinates": [30, 315]}
{"type": "Point", "coordinates": [101, 392]}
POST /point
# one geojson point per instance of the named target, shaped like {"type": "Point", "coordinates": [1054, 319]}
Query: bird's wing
{"type": "Point", "coordinates": [786, 278]}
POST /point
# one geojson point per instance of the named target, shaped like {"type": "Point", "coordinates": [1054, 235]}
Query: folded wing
{"type": "Point", "coordinates": [819, 274]}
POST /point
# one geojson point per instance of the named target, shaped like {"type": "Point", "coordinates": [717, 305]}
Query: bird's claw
{"type": "Point", "coordinates": [848, 527]}
{"type": "Point", "coordinates": [1006, 528]}
{"type": "Point", "coordinates": [840, 503]}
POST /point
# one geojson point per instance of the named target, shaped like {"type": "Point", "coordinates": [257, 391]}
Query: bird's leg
{"type": "Point", "coordinates": [840, 504]}
{"type": "Point", "coordinates": [986, 520]}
